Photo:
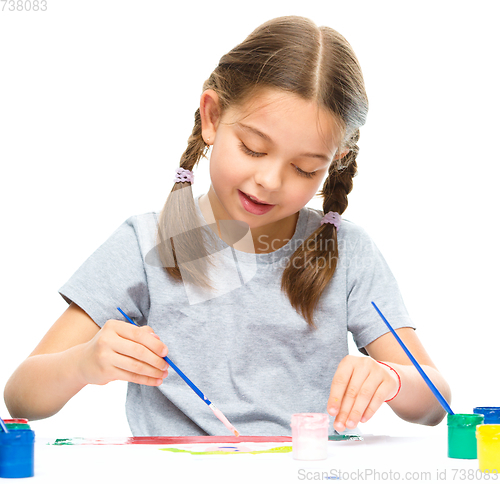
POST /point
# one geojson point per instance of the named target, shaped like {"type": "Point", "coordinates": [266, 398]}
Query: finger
{"type": "Point", "coordinates": [138, 352]}
{"type": "Point", "coordinates": [137, 367]}
{"type": "Point", "coordinates": [133, 332]}
{"type": "Point", "coordinates": [124, 375]}
{"type": "Point", "coordinates": [356, 382]}
{"type": "Point", "coordinates": [144, 336]}
{"type": "Point", "coordinates": [376, 402]}
{"type": "Point", "coordinates": [340, 381]}
{"type": "Point", "coordinates": [364, 398]}
{"type": "Point", "coordinates": [350, 396]}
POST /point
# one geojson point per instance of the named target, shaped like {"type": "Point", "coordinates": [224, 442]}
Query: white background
{"type": "Point", "coordinates": [96, 105]}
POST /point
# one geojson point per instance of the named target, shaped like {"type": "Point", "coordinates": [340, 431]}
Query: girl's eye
{"type": "Point", "coordinates": [307, 174]}
{"type": "Point", "coordinates": [249, 152]}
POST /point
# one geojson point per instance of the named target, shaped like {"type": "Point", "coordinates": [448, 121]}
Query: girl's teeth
{"type": "Point", "coordinates": [255, 201]}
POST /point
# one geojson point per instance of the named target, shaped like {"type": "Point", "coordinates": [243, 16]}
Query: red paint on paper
{"type": "Point", "coordinates": [167, 440]}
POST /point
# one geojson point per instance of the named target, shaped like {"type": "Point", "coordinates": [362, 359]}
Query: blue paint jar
{"type": "Point", "coordinates": [17, 453]}
{"type": "Point", "coordinates": [491, 414]}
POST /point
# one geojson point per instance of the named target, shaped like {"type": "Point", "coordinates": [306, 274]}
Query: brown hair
{"type": "Point", "coordinates": [291, 54]}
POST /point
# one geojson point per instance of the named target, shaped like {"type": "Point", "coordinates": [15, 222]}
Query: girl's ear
{"type": "Point", "coordinates": [338, 156]}
{"type": "Point", "coordinates": [210, 115]}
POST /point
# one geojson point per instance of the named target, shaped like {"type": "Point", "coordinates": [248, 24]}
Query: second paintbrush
{"type": "Point", "coordinates": [198, 392]}
{"type": "Point", "coordinates": [427, 380]}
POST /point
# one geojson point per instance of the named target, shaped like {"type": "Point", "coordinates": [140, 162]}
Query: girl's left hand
{"type": "Point", "coordinates": [359, 387]}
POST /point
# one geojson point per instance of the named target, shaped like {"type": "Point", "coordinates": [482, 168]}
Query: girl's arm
{"type": "Point", "coordinates": [361, 385]}
{"type": "Point", "coordinates": [76, 352]}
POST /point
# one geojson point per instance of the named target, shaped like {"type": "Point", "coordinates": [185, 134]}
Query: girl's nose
{"type": "Point", "coordinates": [269, 175]}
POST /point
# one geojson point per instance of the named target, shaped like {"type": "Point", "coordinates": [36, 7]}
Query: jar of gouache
{"type": "Point", "coordinates": [488, 448]}
{"type": "Point", "coordinates": [17, 453]}
{"type": "Point", "coordinates": [491, 414]}
{"type": "Point", "coordinates": [310, 436]}
{"type": "Point", "coordinates": [462, 443]}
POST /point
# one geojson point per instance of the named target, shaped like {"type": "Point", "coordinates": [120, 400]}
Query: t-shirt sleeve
{"type": "Point", "coordinates": [369, 278]}
{"type": "Point", "coordinates": [113, 276]}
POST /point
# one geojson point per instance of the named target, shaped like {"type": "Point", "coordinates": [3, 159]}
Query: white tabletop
{"type": "Point", "coordinates": [377, 457]}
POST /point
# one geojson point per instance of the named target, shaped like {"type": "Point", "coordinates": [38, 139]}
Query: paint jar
{"type": "Point", "coordinates": [462, 443]}
{"type": "Point", "coordinates": [310, 436]}
{"type": "Point", "coordinates": [491, 414]}
{"type": "Point", "coordinates": [488, 448]}
{"type": "Point", "coordinates": [17, 453]}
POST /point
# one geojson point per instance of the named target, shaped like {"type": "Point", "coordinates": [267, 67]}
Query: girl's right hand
{"type": "Point", "coordinates": [122, 351]}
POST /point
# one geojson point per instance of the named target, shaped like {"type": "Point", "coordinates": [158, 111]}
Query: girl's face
{"type": "Point", "coordinates": [276, 148]}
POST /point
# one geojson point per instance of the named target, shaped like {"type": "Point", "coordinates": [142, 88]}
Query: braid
{"type": "Point", "coordinates": [339, 182]}
{"type": "Point", "coordinates": [180, 238]}
{"type": "Point", "coordinates": [313, 264]}
{"type": "Point", "coordinates": [197, 148]}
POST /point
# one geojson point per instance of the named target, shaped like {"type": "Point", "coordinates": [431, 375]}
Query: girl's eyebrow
{"type": "Point", "coordinates": [264, 136]}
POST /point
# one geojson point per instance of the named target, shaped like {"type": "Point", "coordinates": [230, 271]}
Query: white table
{"type": "Point", "coordinates": [377, 457]}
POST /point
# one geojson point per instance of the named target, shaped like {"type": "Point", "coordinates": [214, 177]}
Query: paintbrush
{"type": "Point", "coordinates": [4, 427]}
{"type": "Point", "coordinates": [427, 380]}
{"type": "Point", "coordinates": [198, 392]}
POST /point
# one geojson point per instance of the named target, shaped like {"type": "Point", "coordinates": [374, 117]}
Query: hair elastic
{"type": "Point", "coordinates": [332, 218]}
{"type": "Point", "coordinates": [399, 380]}
{"type": "Point", "coordinates": [182, 176]}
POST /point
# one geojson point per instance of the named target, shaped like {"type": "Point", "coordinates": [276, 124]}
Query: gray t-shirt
{"type": "Point", "coordinates": [244, 346]}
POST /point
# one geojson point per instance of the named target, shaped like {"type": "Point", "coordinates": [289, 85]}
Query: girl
{"type": "Point", "coordinates": [252, 291]}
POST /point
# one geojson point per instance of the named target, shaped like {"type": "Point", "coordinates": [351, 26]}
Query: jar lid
{"type": "Point", "coordinates": [487, 411]}
{"type": "Point", "coordinates": [310, 420]}
{"type": "Point", "coordinates": [465, 419]}
{"type": "Point", "coordinates": [13, 426]}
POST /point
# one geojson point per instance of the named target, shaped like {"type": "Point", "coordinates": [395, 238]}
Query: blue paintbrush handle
{"type": "Point", "coordinates": [175, 367]}
{"type": "Point", "coordinates": [4, 427]}
{"type": "Point", "coordinates": [427, 380]}
{"type": "Point", "coordinates": [187, 380]}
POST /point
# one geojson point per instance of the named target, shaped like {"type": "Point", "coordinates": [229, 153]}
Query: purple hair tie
{"type": "Point", "coordinates": [182, 176]}
{"type": "Point", "coordinates": [332, 218]}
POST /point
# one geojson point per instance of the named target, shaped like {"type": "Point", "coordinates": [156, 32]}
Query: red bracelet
{"type": "Point", "coordinates": [399, 379]}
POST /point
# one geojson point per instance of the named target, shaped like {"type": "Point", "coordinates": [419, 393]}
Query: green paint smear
{"type": "Point", "coordinates": [345, 437]}
{"type": "Point", "coordinates": [66, 441]}
{"type": "Point", "coordinates": [274, 450]}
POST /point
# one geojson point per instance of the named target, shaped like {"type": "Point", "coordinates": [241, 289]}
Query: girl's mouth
{"type": "Point", "coordinates": [253, 206]}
